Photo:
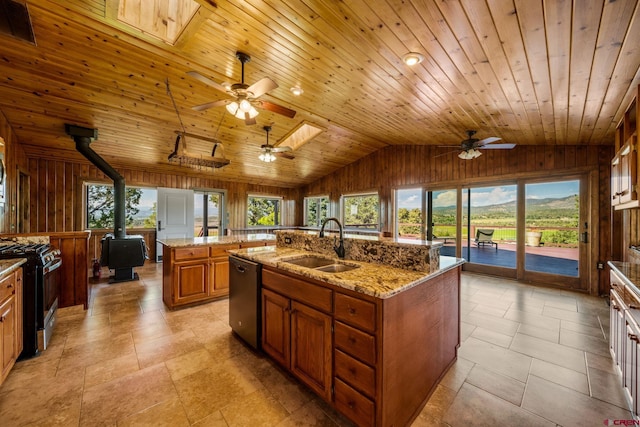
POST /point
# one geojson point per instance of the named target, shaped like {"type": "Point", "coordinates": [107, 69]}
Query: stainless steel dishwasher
{"type": "Point", "coordinates": [244, 300]}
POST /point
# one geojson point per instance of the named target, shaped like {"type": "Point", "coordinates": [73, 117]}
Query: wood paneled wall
{"type": "Point", "coordinates": [402, 166]}
{"type": "Point", "coordinates": [56, 193]}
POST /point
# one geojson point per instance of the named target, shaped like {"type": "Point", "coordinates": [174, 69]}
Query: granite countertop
{"type": "Point", "coordinates": [377, 280]}
{"type": "Point", "coordinates": [10, 265]}
{"type": "Point", "coordinates": [217, 240]}
{"type": "Point", "coordinates": [629, 273]}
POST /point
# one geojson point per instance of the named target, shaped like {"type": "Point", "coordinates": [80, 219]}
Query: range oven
{"type": "Point", "coordinates": [41, 290]}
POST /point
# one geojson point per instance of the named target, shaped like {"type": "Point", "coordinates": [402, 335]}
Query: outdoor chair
{"type": "Point", "coordinates": [484, 237]}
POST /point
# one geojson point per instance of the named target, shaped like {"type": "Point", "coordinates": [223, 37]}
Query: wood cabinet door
{"type": "Point", "coordinates": [628, 163]}
{"type": "Point", "coordinates": [276, 326]}
{"type": "Point", "coordinates": [19, 314]}
{"type": "Point", "coordinates": [8, 347]}
{"type": "Point", "coordinates": [630, 362]}
{"type": "Point", "coordinates": [219, 276]}
{"type": "Point", "coordinates": [311, 348]}
{"type": "Point", "coordinates": [191, 281]}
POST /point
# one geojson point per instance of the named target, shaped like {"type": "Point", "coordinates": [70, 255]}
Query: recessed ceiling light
{"type": "Point", "coordinates": [296, 90]}
{"type": "Point", "coordinates": [412, 58]}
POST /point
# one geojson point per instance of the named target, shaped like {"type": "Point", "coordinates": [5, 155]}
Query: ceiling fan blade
{"type": "Point", "coordinates": [288, 156]}
{"type": "Point", "coordinates": [275, 108]}
{"type": "Point", "coordinates": [487, 141]}
{"type": "Point", "coordinates": [248, 120]}
{"type": "Point", "coordinates": [207, 81]}
{"type": "Point", "coordinates": [262, 86]}
{"type": "Point", "coordinates": [213, 104]}
{"type": "Point", "coordinates": [498, 146]}
{"type": "Point", "coordinates": [281, 149]}
{"type": "Point", "coordinates": [447, 153]}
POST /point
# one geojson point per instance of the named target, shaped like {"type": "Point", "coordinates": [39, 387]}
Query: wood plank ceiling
{"type": "Point", "coordinates": [553, 72]}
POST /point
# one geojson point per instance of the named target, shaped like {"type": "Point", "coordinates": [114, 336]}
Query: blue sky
{"type": "Point", "coordinates": [410, 198]}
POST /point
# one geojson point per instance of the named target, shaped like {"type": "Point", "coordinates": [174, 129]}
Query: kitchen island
{"type": "Point", "coordinates": [372, 341]}
{"type": "Point", "coordinates": [196, 270]}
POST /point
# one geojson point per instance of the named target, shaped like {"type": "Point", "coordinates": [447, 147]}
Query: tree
{"type": "Point", "coordinates": [263, 211]}
{"type": "Point", "coordinates": [151, 220]}
{"type": "Point", "coordinates": [361, 211]}
{"type": "Point", "coordinates": [100, 205]}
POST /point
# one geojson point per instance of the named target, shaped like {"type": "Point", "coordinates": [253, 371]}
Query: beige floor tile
{"type": "Point", "coordinates": [189, 363]}
{"type": "Point", "coordinates": [105, 349]}
{"type": "Point", "coordinates": [558, 313]}
{"type": "Point", "coordinates": [563, 376]}
{"type": "Point", "coordinates": [111, 369]}
{"type": "Point", "coordinates": [495, 358]}
{"type": "Point", "coordinates": [165, 414]}
{"type": "Point", "coordinates": [496, 324]}
{"type": "Point", "coordinates": [504, 387]}
{"type": "Point", "coordinates": [492, 337]}
{"type": "Point", "coordinates": [127, 395]}
{"type": "Point", "coordinates": [597, 345]}
{"type": "Point", "coordinates": [554, 353]}
{"type": "Point", "coordinates": [534, 319]}
{"type": "Point", "coordinates": [487, 309]}
{"type": "Point", "coordinates": [266, 411]}
{"type": "Point", "coordinates": [309, 415]}
{"type": "Point", "coordinates": [157, 350]}
{"type": "Point", "coordinates": [607, 386]}
{"type": "Point", "coordinates": [603, 363]}
{"type": "Point", "coordinates": [466, 329]}
{"type": "Point", "coordinates": [435, 409]}
{"type": "Point", "coordinates": [567, 407]}
{"type": "Point", "coordinates": [538, 332]}
{"type": "Point", "coordinates": [583, 329]}
{"type": "Point", "coordinates": [212, 389]}
{"type": "Point", "coordinates": [475, 407]}
{"type": "Point", "coordinates": [457, 373]}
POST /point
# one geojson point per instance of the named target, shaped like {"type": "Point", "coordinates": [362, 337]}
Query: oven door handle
{"type": "Point", "coordinates": [53, 265]}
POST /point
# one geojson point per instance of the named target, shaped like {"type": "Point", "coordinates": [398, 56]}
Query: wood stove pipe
{"type": "Point", "coordinates": [83, 137]}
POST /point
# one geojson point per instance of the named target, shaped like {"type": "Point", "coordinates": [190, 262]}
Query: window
{"type": "Point", "coordinates": [140, 206]}
{"type": "Point", "coordinates": [264, 211]}
{"type": "Point", "coordinates": [316, 210]}
{"type": "Point", "coordinates": [361, 211]}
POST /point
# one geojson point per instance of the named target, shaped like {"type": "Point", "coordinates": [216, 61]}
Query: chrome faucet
{"type": "Point", "coordinates": [340, 248]}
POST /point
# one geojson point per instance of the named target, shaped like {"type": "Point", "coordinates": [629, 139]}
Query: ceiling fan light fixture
{"type": "Point", "coordinates": [412, 58]}
{"type": "Point", "coordinates": [267, 157]}
{"type": "Point", "coordinates": [470, 154]}
{"type": "Point", "coordinates": [296, 90]}
{"type": "Point", "coordinates": [233, 108]}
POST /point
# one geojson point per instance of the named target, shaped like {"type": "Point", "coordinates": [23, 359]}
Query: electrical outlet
{"type": "Point", "coordinates": [287, 240]}
{"type": "Point", "coordinates": [600, 265]}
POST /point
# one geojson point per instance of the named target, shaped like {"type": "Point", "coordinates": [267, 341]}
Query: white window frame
{"type": "Point", "coordinates": [306, 210]}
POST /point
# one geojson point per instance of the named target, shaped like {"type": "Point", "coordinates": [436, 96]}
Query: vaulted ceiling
{"type": "Point", "coordinates": [528, 71]}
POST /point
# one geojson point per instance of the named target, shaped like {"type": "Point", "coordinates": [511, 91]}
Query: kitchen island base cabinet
{"type": "Point", "coordinates": [197, 274]}
{"type": "Point", "coordinates": [375, 360]}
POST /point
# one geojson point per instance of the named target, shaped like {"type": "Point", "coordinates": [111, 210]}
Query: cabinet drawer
{"type": "Point", "coordinates": [360, 376]}
{"type": "Point", "coordinates": [299, 290]}
{"type": "Point", "coordinates": [354, 405]}
{"type": "Point", "coordinates": [182, 254]}
{"type": "Point", "coordinates": [355, 311]}
{"type": "Point", "coordinates": [7, 287]}
{"type": "Point", "coordinates": [355, 342]}
{"type": "Point", "coordinates": [221, 250]}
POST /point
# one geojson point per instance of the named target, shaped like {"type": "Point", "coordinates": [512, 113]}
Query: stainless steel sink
{"type": "Point", "coordinates": [311, 261]}
{"type": "Point", "coordinates": [336, 268]}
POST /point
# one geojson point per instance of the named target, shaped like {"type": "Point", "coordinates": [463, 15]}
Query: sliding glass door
{"type": "Point", "coordinates": [552, 227]}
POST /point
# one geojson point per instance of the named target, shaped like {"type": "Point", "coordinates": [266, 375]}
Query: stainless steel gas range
{"type": "Point", "coordinates": [41, 289]}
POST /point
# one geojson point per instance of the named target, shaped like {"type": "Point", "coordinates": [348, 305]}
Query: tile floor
{"type": "Point", "coordinates": [530, 356]}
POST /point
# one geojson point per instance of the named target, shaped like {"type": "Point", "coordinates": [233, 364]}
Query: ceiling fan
{"type": "Point", "coordinates": [245, 101]}
{"type": "Point", "coordinates": [269, 152]}
{"type": "Point", "coordinates": [470, 146]}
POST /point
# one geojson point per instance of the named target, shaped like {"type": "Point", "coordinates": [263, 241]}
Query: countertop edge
{"type": "Point", "coordinates": [10, 265]}
{"type": "Point", "coordinates": [217, 240]}
{"type": "Point", "coordinates": [379, 288]}
{"type": "Point", "coordinates": [617, 267]}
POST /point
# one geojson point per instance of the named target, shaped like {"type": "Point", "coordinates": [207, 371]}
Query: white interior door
{"type": "Point", "coordinates": [175, 216]}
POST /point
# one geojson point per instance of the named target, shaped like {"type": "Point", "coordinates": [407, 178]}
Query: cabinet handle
{"type": "Point", "coordinates": [351, 404]}
{"type": "Point", "coordinates": [633, 337]}
{"type": "Point", "coordinates": [352, 371]}
{"type": "Point", "coordinates": [352, 340]}
{"type": "Point", "coordinates": [2, 318]}
{"type": "Point", "coordinates": [352, 311]}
